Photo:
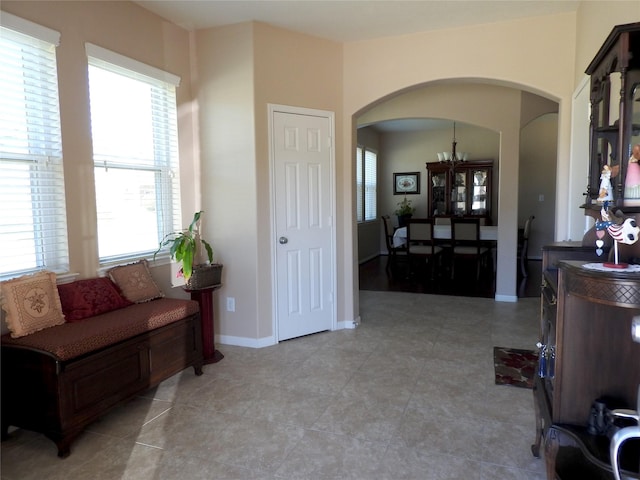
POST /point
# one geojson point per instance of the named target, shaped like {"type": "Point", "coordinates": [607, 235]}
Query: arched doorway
{"type": "Point", "coordinates": [498, 109]}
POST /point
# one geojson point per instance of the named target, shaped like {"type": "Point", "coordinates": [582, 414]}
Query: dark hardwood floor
{"type": "Point", "coordinates": [374, 275]}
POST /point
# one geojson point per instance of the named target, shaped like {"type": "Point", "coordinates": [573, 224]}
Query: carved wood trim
{"type": "Point", "coordinates": [603, 287]}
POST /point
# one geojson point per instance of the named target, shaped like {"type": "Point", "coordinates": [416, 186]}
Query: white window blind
{"type": "Point", "coordinates": [33, 225]}
{"type": "Point", "coordinates": [366, 184]}
{"type": "Point", "coordinates": [135, 153]}
{"type": "Point", "coordinates": [359, 185]}
{"type": "Point", "coordinates": [370, 184]}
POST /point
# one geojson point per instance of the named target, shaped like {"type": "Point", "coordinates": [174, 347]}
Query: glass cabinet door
{"type": "Point", "coordinates": [438, 203]}
{"type": "Point", "coordinates": [632, 178]}
{"type": "Point", "coordinates": [479, 193]}
{"type": "Point", "coordinates": [459, 194]}
{"type": "Point", "coordinates": [614, 128]}
{"type": "Point", "coordinates": [463, 191]}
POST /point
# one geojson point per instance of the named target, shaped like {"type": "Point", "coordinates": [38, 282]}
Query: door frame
{"type": "Point", "coordinates": [271, 109]}
{"type": "Point", "coordinates": [578, 162]}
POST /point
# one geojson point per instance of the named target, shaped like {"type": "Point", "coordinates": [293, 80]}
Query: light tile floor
{"type": "Point", "coordinates": [409, 394]}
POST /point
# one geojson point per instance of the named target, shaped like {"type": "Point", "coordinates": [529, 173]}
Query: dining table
{"type": "Point", "coordinates": [443, 232]}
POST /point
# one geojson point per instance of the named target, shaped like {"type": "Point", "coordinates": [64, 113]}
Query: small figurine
{"type": "Point", "coordinates": [632, 180]}
{"type": "Point", "coordinates": [625, 232]}
{"type": "Point", "coordinates": [605, 194]}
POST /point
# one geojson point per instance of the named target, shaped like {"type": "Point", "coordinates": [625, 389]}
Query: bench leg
{"type": "Point", "coordinates": [64, 451]}
{"type": "Point", "coordinates": [63, 443]}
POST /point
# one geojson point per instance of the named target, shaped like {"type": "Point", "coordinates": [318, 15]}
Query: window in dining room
{"type": "Point", "coordinates": [366, 184]}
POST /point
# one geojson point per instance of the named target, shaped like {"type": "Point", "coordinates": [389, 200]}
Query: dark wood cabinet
{"type": "Point", "coordinates": [586, 347]}
{"type": "Point", "coordinates": [552, 255]}
{"type": "Point", "coordinates": [615, 117]}
{"type": "Point", "coordinates": [586, 352]}
{"type": "Point", "coordinates": [464, 191]}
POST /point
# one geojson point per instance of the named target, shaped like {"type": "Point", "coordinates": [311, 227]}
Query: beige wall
{"type": "Point", "coordinates": [410, 151]}
{"type": "Point", "coordinates": [225, 100]}
{"type": "Point", "coordinates": [130, 30]}
{"type": "Point", "coordinates": [595, 20]}
{"type": "Point", "coordinates": [241, 69]}
{"type": "Point", "coordinates": [538, 145]}
{"type": "Point", "coordinates": [545, 55]}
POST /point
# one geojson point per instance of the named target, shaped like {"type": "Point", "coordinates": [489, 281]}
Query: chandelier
{"type": "Point", "coordinates": [452, 158]}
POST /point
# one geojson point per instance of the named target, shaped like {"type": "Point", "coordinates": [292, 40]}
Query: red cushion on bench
{"type": "Point", "coordinates": [87, 298]}
{"type": "Point", "coordinates": [72, 340]}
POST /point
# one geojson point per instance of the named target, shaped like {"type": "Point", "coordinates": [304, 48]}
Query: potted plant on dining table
{"type": "Point", "coordinates": [404, 212]}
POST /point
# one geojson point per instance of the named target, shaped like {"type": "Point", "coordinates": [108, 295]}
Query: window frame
{"type": "Point", "coordinates": [361, 185]}
{"type": "Point", "coordinates": [163, 162]}
{"type": "Point", "coordinates": [32, 159]}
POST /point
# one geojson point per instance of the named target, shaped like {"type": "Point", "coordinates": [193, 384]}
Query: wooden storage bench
{"type": "Point", "coordinates": [60, 379]}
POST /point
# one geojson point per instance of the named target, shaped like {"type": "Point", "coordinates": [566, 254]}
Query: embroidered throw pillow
{"type": "Point", "coordinates": [135, 282]}
{"type": "Point", "coordinates": [31, 303]}
{"type": "Point", "coordinates": [85, 298]}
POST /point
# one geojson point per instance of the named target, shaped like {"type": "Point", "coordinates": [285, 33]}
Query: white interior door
{"type": "Point", "coordinates": [302, 155]}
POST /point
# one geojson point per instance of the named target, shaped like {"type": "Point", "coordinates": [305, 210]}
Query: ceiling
{"type": "Point", "coordinates": [353, 20]}
{"type": "Point", "coordinates": [356, 20]}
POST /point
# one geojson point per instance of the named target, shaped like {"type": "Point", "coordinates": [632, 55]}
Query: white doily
{"type": "Point", "coordinates": [601, 268]}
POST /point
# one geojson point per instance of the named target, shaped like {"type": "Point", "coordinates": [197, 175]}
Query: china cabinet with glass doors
{"type": "Point", "coordinates": [615, 119]}
{"type": "Point", "coordinates": [464, 190]}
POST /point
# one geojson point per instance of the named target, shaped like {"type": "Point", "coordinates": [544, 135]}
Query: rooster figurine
{"type": "Point", "coordinates": [625, 232]}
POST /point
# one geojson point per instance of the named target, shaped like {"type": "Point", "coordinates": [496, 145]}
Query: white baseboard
{"type": "Point", "coordinates": [269, 341]}
{"type": "Point", "coordinates": [247, 342]}
{"type": "Point", "coordinates": [348, 324]}
{"type": "Point", "coordinates": [506, 298]}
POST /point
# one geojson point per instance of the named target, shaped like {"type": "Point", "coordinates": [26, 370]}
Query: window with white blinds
{"type": "Point", "coordinates": [366, 184]}
{"type": "Point", "coordinates": [33, 225]}
{"type": "Point", "coordinates": [135, 154]}
{"type": "Point", "coordinates": [359, 184]}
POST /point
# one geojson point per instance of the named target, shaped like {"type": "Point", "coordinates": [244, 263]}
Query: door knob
{"type": "Point", "coordinates": [283, 240]}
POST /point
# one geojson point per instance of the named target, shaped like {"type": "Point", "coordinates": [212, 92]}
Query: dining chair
{"type": "Point", "coordinates": [467, 245]}
{"type": "Point", "coordinates": [393, 252]}
{"type": "Point", "coordinates": [421, 247]}
{"type": "Point", "coordinates": [523, 245]}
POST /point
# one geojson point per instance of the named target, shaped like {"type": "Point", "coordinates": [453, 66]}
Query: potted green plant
{"type": "Point", "coordinates": [188, 248]}
{"type": "Point", "coordinates": [404, 211]}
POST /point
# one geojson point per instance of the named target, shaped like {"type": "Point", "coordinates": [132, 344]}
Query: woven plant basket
{"type": "Point", "coordinates": [204, 276]}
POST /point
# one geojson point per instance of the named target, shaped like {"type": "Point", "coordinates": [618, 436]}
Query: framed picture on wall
{"type": "Point", "coordinates": [406, 183]}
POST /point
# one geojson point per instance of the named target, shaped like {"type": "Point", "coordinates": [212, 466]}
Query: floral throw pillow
{"type": "Point", "coordinates": [31, 303]}
{"type": "Point", "coordinates": [135, 282]}
{"type": "Point", "coordinates": [85, 298]}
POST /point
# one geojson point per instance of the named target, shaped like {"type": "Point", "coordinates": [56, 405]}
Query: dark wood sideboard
{"type": "Point", "coordinates": [586, 320]}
